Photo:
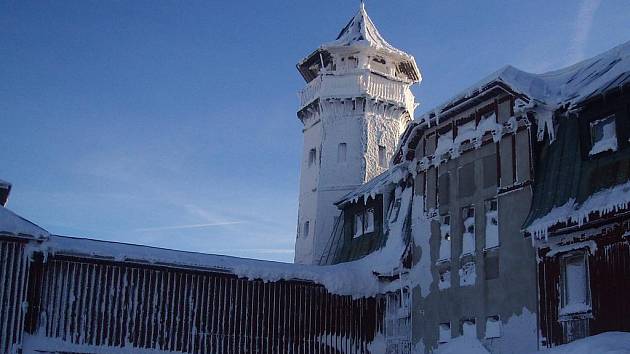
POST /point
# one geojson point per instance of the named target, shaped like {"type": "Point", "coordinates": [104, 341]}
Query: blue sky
{"type": "Point", "coordinates": [173, 123]}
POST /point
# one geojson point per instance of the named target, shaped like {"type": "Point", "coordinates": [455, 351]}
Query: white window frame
{"type": "Point", "coordinates": [594, 125]}
{"type": "Point", "coordinates": [567, 309]}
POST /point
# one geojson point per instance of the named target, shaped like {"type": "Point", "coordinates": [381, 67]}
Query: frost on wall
{"type": "Point", "coordinates": [467, 274]}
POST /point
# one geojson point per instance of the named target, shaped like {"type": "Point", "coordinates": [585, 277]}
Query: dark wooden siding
{"type": "Point", "coordinates": [13, 279]}
{"type": "Point", "coordinates": [609, 274]}
{"type": "Point", "coordinates": [90, 302]}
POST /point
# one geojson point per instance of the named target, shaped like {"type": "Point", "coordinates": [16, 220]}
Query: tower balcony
{"type": "Point", "coordinates": [358, 84]}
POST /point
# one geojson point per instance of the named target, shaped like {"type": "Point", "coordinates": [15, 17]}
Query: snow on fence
{"type": "Point", "coordinates": [91, 305]}
{"type": "Point", "coordinates": [352, 85]}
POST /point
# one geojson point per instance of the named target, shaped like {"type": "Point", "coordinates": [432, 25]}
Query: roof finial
{"type": "Point", "coordinates": [362, 6]}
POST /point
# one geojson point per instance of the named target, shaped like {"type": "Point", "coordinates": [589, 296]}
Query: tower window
{"type": "Point", "coordinates": [382, 156]}
{"type": "Point", "coordinates": [307, 227]}
{"type": "Point", "coordinates": [341, 152]}
{"type": "Point", "coordinates": [312, 155]}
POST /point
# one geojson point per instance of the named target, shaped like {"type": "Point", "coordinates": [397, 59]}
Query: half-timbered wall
{"type": "Point", "coordinates": [94, 303]}
{"type": "Point", "coordinates": [13, 278]}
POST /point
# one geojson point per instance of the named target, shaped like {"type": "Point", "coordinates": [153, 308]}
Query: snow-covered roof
{"type": "Point", "coordinates": [375, 185]}
{"type": "Point", "coordinates": [566, 87]}
{"type": "Point", "coordinates": [14, 225]}
{"type": "Point", "coordinates": [361, 31]}
{"type": "Point", "coordinates": [353, 278]}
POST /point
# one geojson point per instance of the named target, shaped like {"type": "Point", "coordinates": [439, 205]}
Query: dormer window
{"type": "Point", "coordinates": [364, 222]}
{"type": "Point", "coordinates": [603, 135]}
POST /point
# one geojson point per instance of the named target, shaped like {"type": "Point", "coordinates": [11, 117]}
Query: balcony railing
{"type": "Point", "coordinates": [354, 85]}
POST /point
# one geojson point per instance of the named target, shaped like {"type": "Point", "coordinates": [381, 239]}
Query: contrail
{"type": "Point", "coordinates": [191, 226]}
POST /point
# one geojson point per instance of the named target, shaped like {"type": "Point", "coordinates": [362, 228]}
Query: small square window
{"type": "Point", "coordinates": [603, 135]}
{"type": "Point", "coordinates": [312, 155]}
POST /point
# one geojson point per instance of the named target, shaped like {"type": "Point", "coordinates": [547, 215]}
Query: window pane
{"type": "Point", "coordinates": [341, 152]}
{"type": "Point", "coordinates": [443, 189]}
{"type": "Point", "coordinates": [382, 156]}
{"type": "Point", "coordinates": [358, 224]}
{"type": "Point", "coordinates": [603, 135]}
{"type": "Point", "coordinates": [575, 279]}
{"type": "Point", "coordinates": [466, 181]}
{"type": "Point", "coordinates": [369, 220]}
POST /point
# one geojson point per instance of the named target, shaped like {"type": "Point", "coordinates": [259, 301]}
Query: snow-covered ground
{"type": "Point", "coordinates": [605, 343]}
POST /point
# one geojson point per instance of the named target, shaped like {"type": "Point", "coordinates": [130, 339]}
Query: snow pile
{"type": "Point", "coordinates": [41, 344]}
{"type": "Point", "coordinates": [603, 202]}
{"type": "Point", "coordinates": [13, 225]}
{"type": "Point", "coordinates": [605, 343]}
{"type": "Point", "coordinates": [462, 345]}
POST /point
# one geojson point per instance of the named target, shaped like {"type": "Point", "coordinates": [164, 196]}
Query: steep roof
{"type": "Point", "coordinates": [570, 185]}
{"type": "Point", "coordinates": [361, 31]}
{"type": "Point", "coordinates": [567, 87]}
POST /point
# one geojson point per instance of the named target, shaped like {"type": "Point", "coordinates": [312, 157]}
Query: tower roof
{"type": "Point", "coordinates": [361, 31]}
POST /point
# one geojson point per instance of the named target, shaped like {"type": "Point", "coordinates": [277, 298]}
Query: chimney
{"type": "Point", "coordinates": [5, 189]}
